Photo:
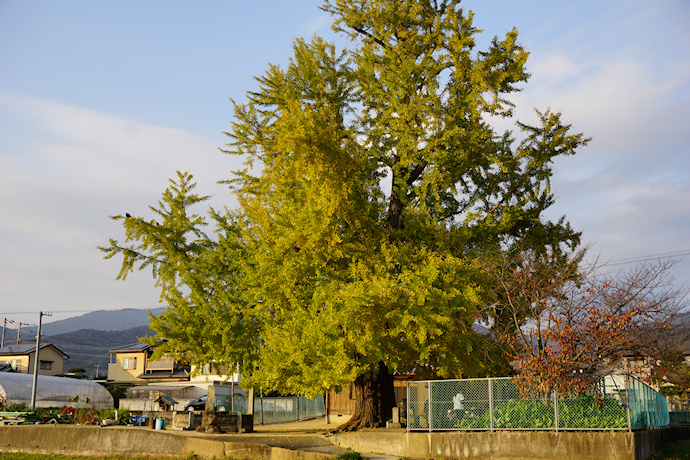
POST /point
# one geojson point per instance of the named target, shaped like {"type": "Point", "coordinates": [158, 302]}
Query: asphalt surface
{"type": "Point", "coordinates": [307, 435]}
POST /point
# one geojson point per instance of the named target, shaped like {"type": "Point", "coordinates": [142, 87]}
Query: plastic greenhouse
{"type": "Point", "coordinates": [53, 391]}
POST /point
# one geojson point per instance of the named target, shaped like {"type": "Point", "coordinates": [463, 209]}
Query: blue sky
{"type": "Point", "coordinates": [101, 102]}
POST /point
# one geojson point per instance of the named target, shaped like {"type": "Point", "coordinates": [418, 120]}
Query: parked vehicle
{"type": "Point", "coordinates": [196, 404]}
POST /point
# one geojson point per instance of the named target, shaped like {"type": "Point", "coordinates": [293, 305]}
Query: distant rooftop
{"type": "Point", "coordinates": [136, 346]}
{"type": "Point", "coordinates": [27, 348]}
{"type": "Point", "coordinates": [179, 373]}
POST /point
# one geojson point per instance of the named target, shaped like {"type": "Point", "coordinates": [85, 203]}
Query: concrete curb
{"type": "Point", "coordinates": [93, 440]}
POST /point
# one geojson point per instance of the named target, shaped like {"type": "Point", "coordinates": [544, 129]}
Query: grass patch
{"type": "Point", "coordinates": [676, 451]}
{"type": "Point", "coordinates": [349, 456]}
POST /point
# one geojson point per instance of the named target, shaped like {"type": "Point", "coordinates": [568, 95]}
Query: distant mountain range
{"type": "Point", "coordinates": [86, 339]}
{"type": "Point", "coordinates": [102, 320]}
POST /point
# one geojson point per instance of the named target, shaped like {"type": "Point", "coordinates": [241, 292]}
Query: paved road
{"type": "Point", "coordinates": [306, 435]}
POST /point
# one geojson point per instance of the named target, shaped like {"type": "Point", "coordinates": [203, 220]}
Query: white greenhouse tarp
{"type": "Point", "coordinates": [53, 391]}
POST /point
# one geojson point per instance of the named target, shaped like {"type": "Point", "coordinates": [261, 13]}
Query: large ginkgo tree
{"type": "Point", "coordinates": [373, 179]}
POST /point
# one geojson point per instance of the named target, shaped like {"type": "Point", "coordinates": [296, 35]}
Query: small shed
{"type": "Point", "coordinates": [166, 403]}
{"type": "Point", "coordinates": [15, 388]}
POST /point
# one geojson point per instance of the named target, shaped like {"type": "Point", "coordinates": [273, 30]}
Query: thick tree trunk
{"type": "Point", "coordinates": [395, 208]}
{"type": "Point", "coordinates": [375, 400]}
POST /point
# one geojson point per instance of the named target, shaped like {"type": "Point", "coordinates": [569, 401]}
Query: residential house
{"type": "Point", "coordinates": [127, 363]}
{"type": "Point", "coordinates": [132, 365]}
{"type": "Point", "coordinates": [23, 356]}
{"type": "Point", "coordinates": [149, 380]}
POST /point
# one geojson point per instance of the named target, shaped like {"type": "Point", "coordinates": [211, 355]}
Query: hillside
{"type": "Point", "coordinates": [86, 339]}
{"type": "Point", "coordinates": [88, 348]}
{"type": "Point", "coordinates": [102, 320]}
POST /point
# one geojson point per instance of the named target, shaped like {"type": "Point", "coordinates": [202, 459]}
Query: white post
{"type": "Point", "coordinates": [491, 405]}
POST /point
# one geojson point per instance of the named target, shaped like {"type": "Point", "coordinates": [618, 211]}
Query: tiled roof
{"type": "Point", "coordinates": [158, 388]}
{"type": "Point", "coordinates": [167, 399]}
{"type": "Point", "coordinates": [27, 348]}
{"type": "Point", "coordinates": [136, 346]}
{"type": "Point", "coordinates": [179, 373]}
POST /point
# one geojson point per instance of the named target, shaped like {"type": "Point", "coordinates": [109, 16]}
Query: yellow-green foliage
{"type": "Point", "coordinates": [372, 180]}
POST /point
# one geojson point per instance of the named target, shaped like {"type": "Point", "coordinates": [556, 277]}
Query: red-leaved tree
{"type": "Point", "coordinates": [567, 322]}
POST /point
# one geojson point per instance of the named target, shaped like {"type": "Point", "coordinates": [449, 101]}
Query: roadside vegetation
{"type": "Point", "coordinates": [67, 414]}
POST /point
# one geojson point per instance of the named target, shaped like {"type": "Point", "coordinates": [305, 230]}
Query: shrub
{"type": "Point", "coordinates": [583, 412]}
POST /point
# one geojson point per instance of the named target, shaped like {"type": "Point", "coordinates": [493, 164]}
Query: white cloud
{"type": "Point", "coordinates": [63, 170]}
{"type": "Point", "coordinates": [554, 69]}
{"type": "Point", "coordinates": [629, 189]}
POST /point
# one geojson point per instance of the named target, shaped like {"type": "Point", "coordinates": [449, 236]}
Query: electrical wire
{"type": "Point", "coordinates": [664, 255]}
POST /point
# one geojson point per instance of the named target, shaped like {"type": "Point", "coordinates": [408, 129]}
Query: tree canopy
{"type": "Point", "coordinates": [373, 179]}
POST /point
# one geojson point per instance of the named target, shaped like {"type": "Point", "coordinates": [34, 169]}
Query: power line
{"type": "Point", "coordinates": [663, 255]}
{"type": "Point", "coordinates": [25, 312]}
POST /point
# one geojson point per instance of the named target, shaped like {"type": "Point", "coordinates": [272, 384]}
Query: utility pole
{"type": "Point", "coordinates": [4, 326]}
{"type": "Point", "coordinates": [19, 332]}
{"type": "Point", "coordinates": [36, 361]}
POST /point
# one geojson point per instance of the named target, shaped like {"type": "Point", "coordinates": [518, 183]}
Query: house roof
{"type": "Point", "coordinates": [179, 373]}
{"type": "Point", "coordinates": [166, 399]}
{"type": "Point", "coordinates": [27, 349]}
{"type": "Point", "coordinates": [157, 388]}
{"type": "Point", "coordinates": [132, 347]}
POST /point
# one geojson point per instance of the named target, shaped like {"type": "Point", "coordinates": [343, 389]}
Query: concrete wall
{"type": "Point", "coordinates": [500, 445]}
{"type": "Point", "coordinates": [91, 440]}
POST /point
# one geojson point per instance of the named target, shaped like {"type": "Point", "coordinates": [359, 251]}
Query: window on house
{"type": "Point", "coordinates": [129, 363]}
{"type": "Point", "coordinates": [46, 365]}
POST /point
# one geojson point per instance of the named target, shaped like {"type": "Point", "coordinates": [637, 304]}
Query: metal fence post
{"type": "Point", "coordinates": [429, 406]}
{"type": "Point", "coordinates": [556, 399]}
{"type": "Point", "coordinates": [627, 402]}
{"type": "Point", "coordinates": [491, 404]}
{"type": "Point", "coordinates": [407, 413]}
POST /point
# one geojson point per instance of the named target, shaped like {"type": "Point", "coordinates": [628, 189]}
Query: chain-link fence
{"type": "Point", "coordinates": [287, 409]}
{"type": "Point", "coordinates": [269, 410]}
{"type": "Point", "coordinates": [619, 402]}
{"type": "Point", "coordinates": [679, 411]}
